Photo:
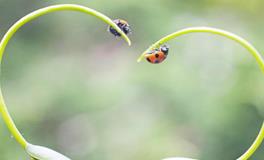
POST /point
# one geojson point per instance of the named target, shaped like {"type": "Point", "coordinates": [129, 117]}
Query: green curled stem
{"type": "Point", "coordinates": [13, 29]}
{"type": "Point", "coordinates": [233, 37]}
{"type": "Point", "coordinates": [254, 146]}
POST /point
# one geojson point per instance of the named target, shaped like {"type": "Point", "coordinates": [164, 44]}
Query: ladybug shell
{"type": "Point", "coordinates": [156, 57]}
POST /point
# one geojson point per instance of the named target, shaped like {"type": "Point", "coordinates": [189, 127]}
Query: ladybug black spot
{"type": "Point", "coordinates": [157, 55]}
{"type": "Point", "coordinates": [149, 60]}
{"type": "Point", "coordinates": [156, 61]}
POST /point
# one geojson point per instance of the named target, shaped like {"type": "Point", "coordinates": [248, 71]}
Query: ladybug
{"type": "Point", "coordinates": [157, 55]}
{"type": "Point", "coordinates": [122, 24]}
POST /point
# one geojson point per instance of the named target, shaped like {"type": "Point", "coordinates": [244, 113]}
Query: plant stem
{"type": "Point", "coordinates": [10, 123]}
{"type": "Point", "coordinates": [13, 29]}
{"type": "Point", "coordinates": [254, 146]}
{"type": "Point", "coordinates": [231, 36]}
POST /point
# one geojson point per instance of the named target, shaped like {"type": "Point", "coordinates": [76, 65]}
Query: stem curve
{"type": "Point", "coordinates": [233, 37]}
{"type": "Point", "coordinates": [14, 28]}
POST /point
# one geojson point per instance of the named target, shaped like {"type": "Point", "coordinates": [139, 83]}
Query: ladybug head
{"type": "Point", "coordinates": [164, 49]}
{"type": "Point", "coordinates": [126, 29]}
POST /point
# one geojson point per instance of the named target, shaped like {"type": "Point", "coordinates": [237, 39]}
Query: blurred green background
{"type": "Point", "coordinates": [73, 87]}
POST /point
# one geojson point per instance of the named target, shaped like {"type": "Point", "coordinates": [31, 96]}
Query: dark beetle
{"type": "Point", "coordinates": [122, 24]}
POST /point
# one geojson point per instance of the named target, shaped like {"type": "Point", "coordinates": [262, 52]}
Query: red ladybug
{"type": "Point", "coordinates": [122, 24]}
{"type": "Point", "coordinates": [157, 55]}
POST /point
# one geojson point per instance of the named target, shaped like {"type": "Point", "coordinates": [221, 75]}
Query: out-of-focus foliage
{"type": "Point", "coordinates": [73, 87]}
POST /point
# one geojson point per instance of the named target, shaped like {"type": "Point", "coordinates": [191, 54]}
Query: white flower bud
{"type": "Point", "coordinates": [43, 153]}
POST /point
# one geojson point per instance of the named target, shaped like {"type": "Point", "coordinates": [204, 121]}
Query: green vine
{"type": "Point", "coordinates": [38, 152]}
{"type": "Point", "coordinates": [231, 36]}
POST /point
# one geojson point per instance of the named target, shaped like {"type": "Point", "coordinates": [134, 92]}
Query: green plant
{"type": "Point", "coordinates": [43, 153]}
{"type": "Point", "coordinates": [231, 36]}
{"type": "Point", "coordinates": [39, 152]}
